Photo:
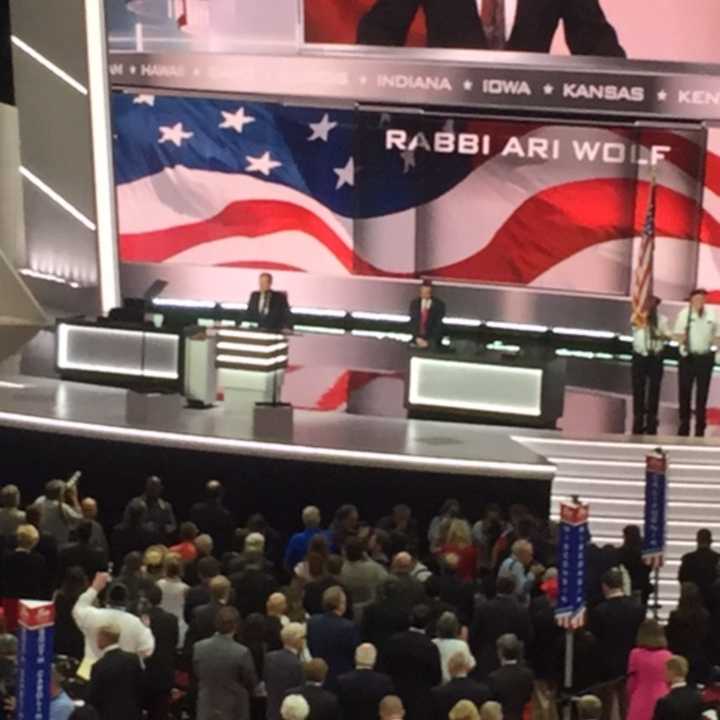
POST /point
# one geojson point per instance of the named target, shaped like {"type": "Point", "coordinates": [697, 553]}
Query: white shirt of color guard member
{"type": "Point", "coordinates": [696, 326]}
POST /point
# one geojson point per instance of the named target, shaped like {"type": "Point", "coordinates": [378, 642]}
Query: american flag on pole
{"type": "Point", "coordinates": [230, 183]}
{"type": "Point", "coordinates": [642, 289]}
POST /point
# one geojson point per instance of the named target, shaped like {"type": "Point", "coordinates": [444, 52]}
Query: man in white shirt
{"type": "Point", "coordinates": [696, 329]}
{"type": "Point", "coordinates": [135, 636]}
{"type": "Point", "coordinates": [647, 368]}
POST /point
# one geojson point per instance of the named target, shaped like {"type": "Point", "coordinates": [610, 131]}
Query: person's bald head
{"type": "Point", "coordinates": [402, 564]}
{"type": "Point", "coordinates": [276, 604]}
{"type": "Point", "coordinates": [391, 708]}
{"type": "Point", "coordinates": [89, 508]}
{"type": "Point", "coordinates": [214, 490]}
{"type": "Point", "coordinates": [365, 656]}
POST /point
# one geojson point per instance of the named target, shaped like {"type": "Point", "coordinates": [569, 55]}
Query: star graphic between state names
{"type": "Point", "coordinates": [237, 120]}
{"type": "Point", "coordinates": [321, 130]}
{"type": "Point", "coordinates": [174, 134]}
{"type": "Point", "coordinates": [468, 85]}
{"type": "Point", "coordinates": [263, 164]}
{"type": "Point", "coordinates": [144, 100]}
{"type": "Point", "coordinates": [346, 175]}
{"type": "Point", "coordinates": [662, 96]}
{"type": "Point", "coordinates": [409, 162]}
{"type": "Point", "coordinates": [548, 89]}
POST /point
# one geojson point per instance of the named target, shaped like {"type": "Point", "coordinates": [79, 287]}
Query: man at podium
{"type": "Point", "coordinates": [267, 307]}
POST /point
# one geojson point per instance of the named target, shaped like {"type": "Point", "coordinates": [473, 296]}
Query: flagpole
{"type": "Point", "coordinates": [569, 665]}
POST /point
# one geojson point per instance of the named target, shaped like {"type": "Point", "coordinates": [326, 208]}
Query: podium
{"type": "Point", "coordinates": [251, 367]}
{"type": "Point", "coordinates": [201, 377]}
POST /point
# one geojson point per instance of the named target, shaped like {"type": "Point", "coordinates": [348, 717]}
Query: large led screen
{"type": "Point", "coordinates": [331, 192]}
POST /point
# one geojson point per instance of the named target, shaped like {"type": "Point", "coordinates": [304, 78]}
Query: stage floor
{"type": "Point", "coordinates": [366, 376]}
{"type": "Point", "coordinates": [51, 405]}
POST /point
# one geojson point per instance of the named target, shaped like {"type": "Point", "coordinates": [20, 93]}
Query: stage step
{"type": "Point", "coordinates": [609, 475]}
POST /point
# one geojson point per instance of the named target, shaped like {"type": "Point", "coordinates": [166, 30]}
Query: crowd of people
{"type": "Point", "coordinates": [220, 620]}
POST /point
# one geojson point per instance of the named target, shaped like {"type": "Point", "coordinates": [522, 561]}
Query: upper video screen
{"type": "Point", "coordinates": [663, 30]}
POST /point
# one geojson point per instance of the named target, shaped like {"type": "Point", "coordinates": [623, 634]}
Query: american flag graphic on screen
{"type": "Point", "coordinates": [320, 190]}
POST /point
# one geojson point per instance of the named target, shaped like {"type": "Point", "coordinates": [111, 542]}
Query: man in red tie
{"type": "Point", "coordinates": [517, 25]}
{"type": "Point", "coordinates": [426, 317]}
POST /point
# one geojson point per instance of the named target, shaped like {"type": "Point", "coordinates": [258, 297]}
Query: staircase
{"type": "Point", "coordinates": [610, 477]}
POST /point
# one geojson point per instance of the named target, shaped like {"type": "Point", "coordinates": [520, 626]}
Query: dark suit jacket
{"type": "Point", "coordinates": [116, 686]}
{"type": "Point", "coordinates": [383, 619]}
{"type": "Point", "coordinates": [458, 25]}
{"type": "Point", "coordinates": [282, 672]}
{"type": "Point", "coordinates": [252, 588]}
{"type": "Point", "coordinates": [160, 666]}
{"type": "Point", "coordinates": [615, 623]}
{"type": "Point", "coordinates": [217, 521]}
{"type": "Point", "coordinates": [683, 703]}
{"type": "Point", "coordinates": [360, 693]}
{"type": "Point", "coordinates": [413, 662]}
{"type": "Point", "coordinates": [90, 559]}
{"type": "Point", "coordinates": [278, 315]}
{"type": "Point", "coordinates": [196, 596]}
{"type": "Point", "coordinates": [202, 626]}
{"type": "Point", "coordinates": [434, 328]}
{"type": "Point", "coordinates": [446, 696]}
{"type": "Point", "coordinates": [701, 568]}
{"type": "Point", "coordinates": [503, 614]}
{"type": "Point", "coordinates": [126, 539]}
{"type": "Point", "coordinates": [512, 687]}
{"type": "Point", "coordinates": [323, 704]}
{"type": "Point", "coordinates": [333, 639]}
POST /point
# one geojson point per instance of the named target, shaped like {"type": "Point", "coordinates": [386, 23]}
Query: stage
{"type": "Point", "coordinates": [352, 443]}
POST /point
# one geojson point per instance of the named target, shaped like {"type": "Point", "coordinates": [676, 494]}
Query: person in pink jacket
{"type": "Point", "coordinates": [646, 682]}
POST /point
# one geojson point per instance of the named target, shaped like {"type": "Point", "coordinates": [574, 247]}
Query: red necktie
{"type": "Point", "coordinates": [424, 312]}
{"type": "Point", "coordinates": [493, 20]}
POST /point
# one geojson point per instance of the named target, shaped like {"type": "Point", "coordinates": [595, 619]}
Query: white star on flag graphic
{"type": "Point", "coordinates": [263, 164]}
{"type": "Point", "coordinates": [174, 134]}
{"type": "Point", "coordinates": [321, 130]}
{"type": "Point", "coordinates": [346, 175]}
{"type": "Point", "coordinates": [237, 120]}
{"type": "Point", "coordinates": [144, 100]}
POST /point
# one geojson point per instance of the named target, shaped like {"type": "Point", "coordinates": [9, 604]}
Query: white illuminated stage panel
{"type": "Point", "coordinates": [510, 389]}
{"type": "Point", "coordinates": [113, 353]}
{"type": "Point", "coordinates": [475, 387]}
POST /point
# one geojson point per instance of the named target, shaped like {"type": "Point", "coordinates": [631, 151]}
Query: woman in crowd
{"type": "Point", "coordinates": [688, 631]}
{"type": "Point", "coordinates": [459, 543]}
{"type": "Point", "coordinates": [317, 555]}
{"type": "Point", "coordinates": [449, 641]}
{"type": "Point", "coordinates": [646, 671]}
{"type": "Point", "coordinates": [629, 554]}
{"type": "Point", "coordinates": [437, 531]}
{"type": "Point", "coordinates": [174, 591]}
